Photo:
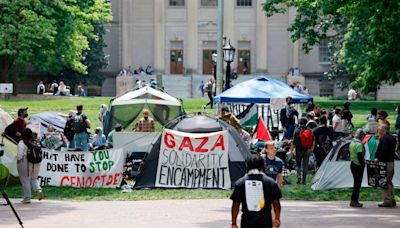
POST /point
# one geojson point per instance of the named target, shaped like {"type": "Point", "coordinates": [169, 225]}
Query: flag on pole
{"type": "Point", "coordinates": [262, 131]}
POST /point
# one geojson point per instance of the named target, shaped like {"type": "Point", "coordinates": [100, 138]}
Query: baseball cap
{"type": "Point", "coordinates": [21, 110]}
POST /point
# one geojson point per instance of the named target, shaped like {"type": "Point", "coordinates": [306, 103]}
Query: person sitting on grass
{"type": "Point", "coordinates": [98, 141]}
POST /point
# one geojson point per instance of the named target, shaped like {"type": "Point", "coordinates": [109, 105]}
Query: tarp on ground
{"type": "Point", "coordinates": [335, 172]}
{"type": "Point", "coordinates": [127, 107]}
{"type": "Point", "coordinates": [166, 168]}
{"type": "Point", "coordinates": [261, 89]}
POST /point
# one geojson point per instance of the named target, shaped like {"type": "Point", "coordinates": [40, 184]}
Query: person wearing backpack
{"type": "Point", "coordinates": [303, 143]}
{"type": "Point", "coordinates": [27, 171]}
{"type": "Point", "coordinates": [80, 125]}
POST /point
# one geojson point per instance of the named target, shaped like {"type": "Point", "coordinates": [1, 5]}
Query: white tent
{"type": "Point", "coordinates": [127, 107]}
{"type": "Point", "coordinates": [335, 172]}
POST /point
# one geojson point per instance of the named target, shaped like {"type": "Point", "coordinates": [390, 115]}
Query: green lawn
{"type": "Point", "coordinates": [91, 107]}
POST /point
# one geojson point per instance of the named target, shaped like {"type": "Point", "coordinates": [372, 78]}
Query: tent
{"type": "Point", "coordinates": [335, 172]}
{"type": "Point", "coordinates": [238, 150]}
{"type": "Point", "coordinates": [47, 118]}
{"type": "Point", "coordinates": [260, 90]}
{"type": "Point", "coordinates": [127, 107]}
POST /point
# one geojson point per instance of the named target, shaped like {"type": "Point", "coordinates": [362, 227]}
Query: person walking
{"type": "Point", "coordinates": [385, 153]}
{"type": "Point", "coordinates": [357, 166]}
{"type": "Point", "coordinates": [273, 164]}
{"type": "Point", "coordinates": [256, 192]}
{"type": "Point", "coordinates": [208, 88]}
{"type": "Point", "coordinates": [27, 172]}
{"type": "Point", "coordinates": [80, 125]}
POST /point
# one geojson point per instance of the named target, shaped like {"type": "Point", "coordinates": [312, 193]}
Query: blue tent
{"type": "Point", "coordinates": [260, 90]}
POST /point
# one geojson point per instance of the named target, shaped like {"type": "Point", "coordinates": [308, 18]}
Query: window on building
{"type": "Point", "coordinates": [326, 90]}
{"type": "Point", "coordinates": [324, 51]}
{"type": "Point", "coordinates": [244, 2]}
{"type": "Point", "coordinates": [209, 3]}
{"type": "Point", "coordinates": [176, 2]}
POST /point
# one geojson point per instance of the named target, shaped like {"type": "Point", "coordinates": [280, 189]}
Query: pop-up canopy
{"type": "Point", "coordinates": [260, 90]}
{"type": "Point", "coordinates": [127, 107]}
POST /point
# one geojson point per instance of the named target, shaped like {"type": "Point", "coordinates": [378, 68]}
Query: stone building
{"type": "Point", "coordinates": [178, 37]}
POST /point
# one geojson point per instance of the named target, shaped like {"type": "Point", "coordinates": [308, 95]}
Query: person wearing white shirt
{"type": "Point", "coordinates": [40, 88]}
{"type": "Point", "coordinates": [351, 95]}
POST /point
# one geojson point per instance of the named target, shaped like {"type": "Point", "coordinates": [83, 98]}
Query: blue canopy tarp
{"type": "Point", "coordinates": [260, 90]}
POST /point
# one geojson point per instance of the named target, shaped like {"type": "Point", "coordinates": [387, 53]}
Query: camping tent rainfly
{"type": "Point", "coordinates": [335, 173]}
{"type": "Point", "coordinates": [127, 107]}
{"type": "Point", "coordinates": [195, 163]}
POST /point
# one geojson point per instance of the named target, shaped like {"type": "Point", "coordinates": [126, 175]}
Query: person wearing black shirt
{"type": "Point", "coordinates": [256, 184]}
{"type": "Point", "coordinates": [273, 164]}
{"type": "Point", "coordinates": [287, 118]}
{"type": "Point", "coordinates": [385, 153]}
{"type": "Point", "coordinates": [323, 140]}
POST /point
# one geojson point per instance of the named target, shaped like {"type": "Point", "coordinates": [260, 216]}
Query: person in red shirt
{"type": "Point", "coordinates": [20, 123]}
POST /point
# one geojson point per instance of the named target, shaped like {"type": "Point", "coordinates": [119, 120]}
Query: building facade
{"type": "Point", "coordinates": [179, 37]}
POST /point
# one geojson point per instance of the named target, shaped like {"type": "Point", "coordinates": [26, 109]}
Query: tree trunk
{"type": "Point", "coordinates": [5, 68]}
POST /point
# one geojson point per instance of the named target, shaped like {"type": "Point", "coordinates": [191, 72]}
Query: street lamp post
{"type": "Point", "coordinates": [214, 62]}
{"type": "Point", "coordinates": [229, 55]}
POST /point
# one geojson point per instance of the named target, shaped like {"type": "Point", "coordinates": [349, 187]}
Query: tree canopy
{"type": "Point", "coordinates": [48, 35]}
{"type": "Point", "coordinates": [365, 33]}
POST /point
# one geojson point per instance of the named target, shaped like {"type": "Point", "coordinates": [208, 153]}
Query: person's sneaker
{"type": "Point", "coordinates": [39, 195]}
{"type": "Point", "coordinates": [355, 204]}
{"type": "Point", "coordinates": [386, 205]}
{"type": "Point", "coordinates": [203, 106]}
{"type": "Point", "coordinates": [26, 200]}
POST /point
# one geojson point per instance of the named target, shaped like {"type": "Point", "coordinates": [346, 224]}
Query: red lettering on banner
{"type": "Point", "coordinates": [169, 140]}
{"type": "Point", "coordinates": [200, 148]}
{"type": "Point", "coordinates": [186, 143]}
{"type": "Point", "coordinates": [219, 142]}
{"type": "Point", "coordinates": [86, 182]}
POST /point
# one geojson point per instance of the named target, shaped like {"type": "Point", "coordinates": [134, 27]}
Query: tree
{"type": "Point", "coordinates": [366, 31]}
{"type": "Point", "coordinates": [47, 35]}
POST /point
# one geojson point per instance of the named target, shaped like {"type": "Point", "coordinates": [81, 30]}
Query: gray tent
{"type": "Point", "coordinates": [238, 149]}
{"type": "Point", "coordinates": [335, 172]}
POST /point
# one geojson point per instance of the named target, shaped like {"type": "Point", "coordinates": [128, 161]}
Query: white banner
{"type": "Point", "coordinates": [95, 169]}
{"type": "Point", "coordinates": [277, 103]}
{"type": "Point", "coordinates": [193, 160]}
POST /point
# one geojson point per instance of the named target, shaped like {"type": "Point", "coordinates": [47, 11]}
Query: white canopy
{"type": "Point", "coordinates": [141, 96]}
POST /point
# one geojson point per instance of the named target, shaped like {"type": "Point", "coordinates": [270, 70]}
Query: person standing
{"type": "Point", "coordinates": [19, 124]}
{"type": "Point", "coordinates": [54, 87]}
{"type": "Point", "coordinates": [201, 88]}
{"type": "Point", "coordinates": [256, 192]}
{"type": "Point", "coordinates": [68, 129]}
{"type": "Point", "coordinates": [357, 166]}
{"type": "Point", "coordinates": [80, 125]}
{"type": "Point", "coordinates": [273, 164]}
{"type": "Point", "coordinates": [287, 118]}
{"type": "Point", "coordinates": [323, 140]}
{"type": "Point", "coordinates": [385, 153]}
{"type": "Point", "coordinates": [302, 153]}
{"type": "Point", "coordinates": [103, 115]}
{"type": "Point", "coordinates": [382, 119]}
{"type": "Point", "coordinates": [372, 119]}
{"type": "Point", "coordinates": [146, 123]}
{"type": "Point", "coordinates": [27, 172]}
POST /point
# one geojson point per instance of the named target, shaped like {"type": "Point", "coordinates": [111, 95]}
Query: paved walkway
{"type": "Point", "coordinates": [189, 213]}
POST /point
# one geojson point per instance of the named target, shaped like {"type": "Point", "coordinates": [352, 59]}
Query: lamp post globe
{"type": "Point", "coordinates": [229, 56]}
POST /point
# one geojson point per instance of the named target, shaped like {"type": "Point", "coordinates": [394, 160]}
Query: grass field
{"type": "Point", "coordinates": [91, 107]}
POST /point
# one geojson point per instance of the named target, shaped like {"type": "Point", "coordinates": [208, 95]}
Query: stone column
{"type": "Point", "coordinates": [159, 36]}
{"type": "Point", "coordinates": [127, 32]}
{"type": "Point", "coordinates": [261, 39]}
{"type": "Point", "coordinates": [229, 29]}
{"type": "Point", "coordinates": [191, 46]}
{"type": "Point", "coordinates": [295, 46]}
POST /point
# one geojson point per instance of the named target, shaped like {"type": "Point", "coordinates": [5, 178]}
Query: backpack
{"type": "Point", "coordinates": [34, 154]}
{"type": "Point", "coordinates": [78, 125]}
{"type": "Point", "coordinates": [209, 87]}
{"type": "Point", "coordinates": [306, 138]}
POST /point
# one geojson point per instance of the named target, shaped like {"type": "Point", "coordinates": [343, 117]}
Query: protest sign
{"type": "Point", "coordinates": [193, 160]}
{"type": "Point", "coordinates": [377, 174]}
{"type": "Point", "coordinates": [95, 169]}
